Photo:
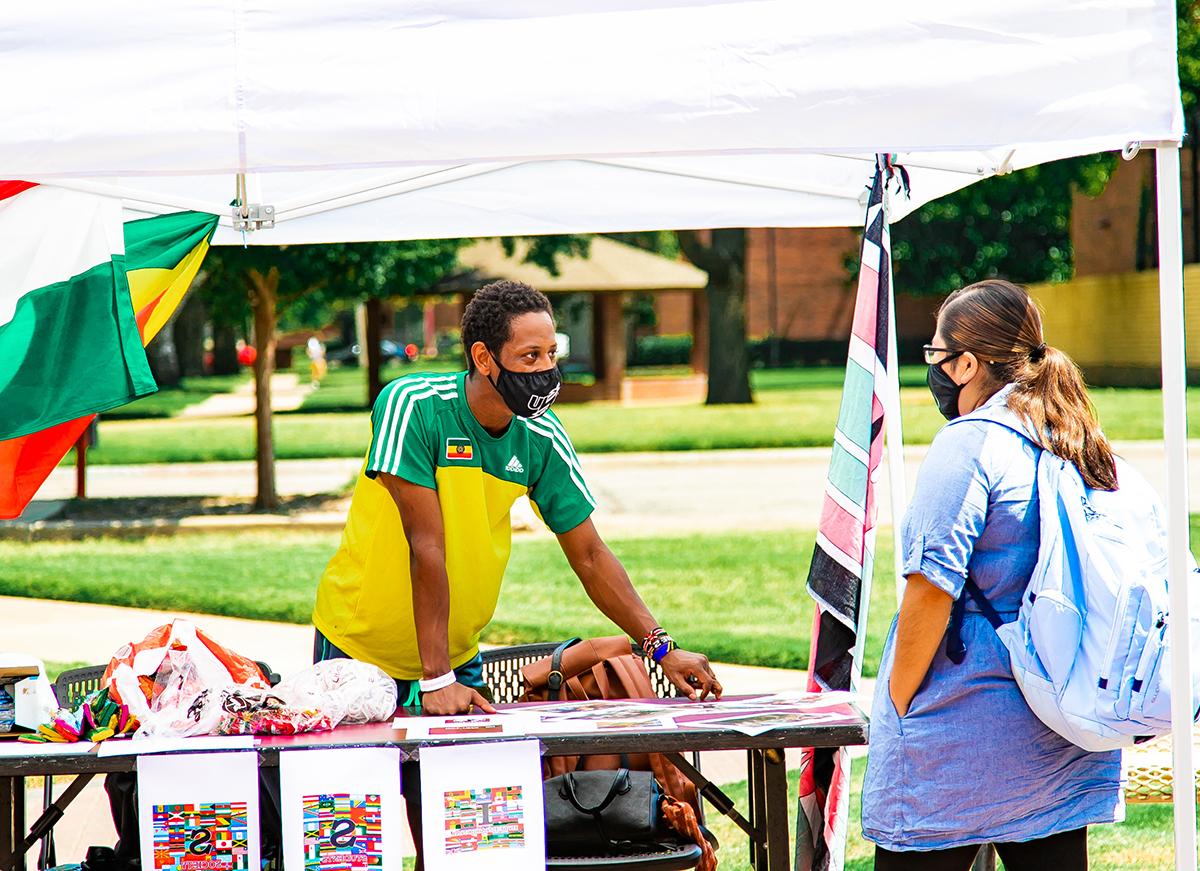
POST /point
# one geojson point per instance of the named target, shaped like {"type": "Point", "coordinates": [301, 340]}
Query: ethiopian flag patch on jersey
{"type": "Point", "coordinates": [458, 449]}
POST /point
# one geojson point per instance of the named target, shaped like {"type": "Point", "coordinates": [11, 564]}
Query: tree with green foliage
{"type": "Point", "coordinates": [1017, 226]}
{"type": "Point", "coordinates": [372, 272]}
{"type": "Point", "coordinates": [305, 283]}
{"type": "Point", "coordinates": [262, 282]}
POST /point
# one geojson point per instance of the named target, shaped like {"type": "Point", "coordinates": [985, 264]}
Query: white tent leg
{"type": "Point", "coordinates": [1174, 375]}
{"type": "Point", "coordinates": [895, 444]}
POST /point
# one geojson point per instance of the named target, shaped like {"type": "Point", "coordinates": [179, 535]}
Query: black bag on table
{"type": "Point", "coordinates": [602, 811]}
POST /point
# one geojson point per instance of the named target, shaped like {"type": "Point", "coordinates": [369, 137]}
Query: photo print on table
{"type": "Point", "coordinates": [491, 818]}
{"type": "Point", "coordinates": [342, 832]}
{"type": "Point", "coordinates": [481, 806]}
{"type": "Point", "coordinates": [341, 809]}
{"type": "Point", "coordinates": [198, 811]}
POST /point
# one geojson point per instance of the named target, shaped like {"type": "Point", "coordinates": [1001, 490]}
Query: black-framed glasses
{"type": "Point", "coordinates": [931, 350]}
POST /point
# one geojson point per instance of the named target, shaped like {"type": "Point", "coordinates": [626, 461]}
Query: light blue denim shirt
{"type": "Point", "coordinates": [970, 763]}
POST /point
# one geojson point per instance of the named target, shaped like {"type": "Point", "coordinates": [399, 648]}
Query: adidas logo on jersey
{"type": "Point", "coordinates": [514, 465]}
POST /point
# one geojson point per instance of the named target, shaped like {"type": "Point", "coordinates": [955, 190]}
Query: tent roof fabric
{"type": "Point", "coordinates": [368, 119]}
{"type": "Point", "coordinates": [611, 266]}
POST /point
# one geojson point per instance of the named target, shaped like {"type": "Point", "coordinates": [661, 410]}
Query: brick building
{"type": "Point", "coordinates": [798, 287]}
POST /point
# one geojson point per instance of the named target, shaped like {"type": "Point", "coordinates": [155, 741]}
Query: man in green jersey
{"type": "Point", "coordinates": [417, 575]}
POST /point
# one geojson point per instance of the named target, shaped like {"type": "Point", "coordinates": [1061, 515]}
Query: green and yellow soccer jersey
{"type": "Point", "coordinates": [423, 431]}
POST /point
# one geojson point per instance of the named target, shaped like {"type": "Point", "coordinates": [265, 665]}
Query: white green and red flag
{"type": "Point", "coordinates": [81, 293]}
{"type": "Point", "coordinates": [839, 577]}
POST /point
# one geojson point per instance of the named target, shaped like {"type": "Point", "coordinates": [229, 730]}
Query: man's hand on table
{"type": "Point", "coordinates": [692, 674]}
{"type": "Point", "coordinates": [452, 700]}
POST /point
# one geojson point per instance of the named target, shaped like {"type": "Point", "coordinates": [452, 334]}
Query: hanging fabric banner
{"type": "Point", "coordinates": [839, 577]}
{"type": "Point", "coordinates": [481, 807]}
{"type": "Point", "coordinates": [199, 812]}
{"type": "Point", "coordinates": [341, 809]}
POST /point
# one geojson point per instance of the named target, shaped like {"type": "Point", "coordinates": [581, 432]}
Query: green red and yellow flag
{"type": "Point", "coordinates": [82, 291]}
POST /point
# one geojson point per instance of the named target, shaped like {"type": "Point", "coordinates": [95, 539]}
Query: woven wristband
{"type": "Point", "coordinates": [663, 649]}
{"type": "Point", "coordinates": [437, 683]}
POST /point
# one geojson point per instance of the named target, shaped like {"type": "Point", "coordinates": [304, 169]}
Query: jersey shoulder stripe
{"type": "Point", "coordinates": [394, 408]}
{"type": "Point", "coordinates": [563, 448]}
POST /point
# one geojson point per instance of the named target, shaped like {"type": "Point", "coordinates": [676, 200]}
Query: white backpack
{"type": "Point", "coordinates": [1090, 648]}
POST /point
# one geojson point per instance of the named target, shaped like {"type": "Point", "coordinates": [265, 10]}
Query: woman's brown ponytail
{"type": "Point", "coordinates": [999, 322]}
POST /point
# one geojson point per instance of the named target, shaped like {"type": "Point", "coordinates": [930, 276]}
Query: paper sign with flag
{"type": "Point", "coordinates": [81, 293]}
{"type": "Point", "coordinates": [839, 577]}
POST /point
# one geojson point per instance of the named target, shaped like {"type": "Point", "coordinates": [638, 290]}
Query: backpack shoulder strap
{"type": "Point", "coordinates": [1001, 415]}
{"type": "Point", "coordinates": [956, 650]}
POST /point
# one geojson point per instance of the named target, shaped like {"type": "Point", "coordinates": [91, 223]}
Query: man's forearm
{"type": "Point", "coordinates": [431, 613]}
{"type": "Point", "coordinates": [608, 586]}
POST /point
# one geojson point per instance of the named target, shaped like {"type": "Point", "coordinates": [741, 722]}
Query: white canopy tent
{"type": "Point", "coordinates": [369, 119]}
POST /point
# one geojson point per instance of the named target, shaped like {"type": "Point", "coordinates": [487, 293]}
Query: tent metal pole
{"type": "Point", "coordinates": [379, 189]}
{"type": "Point", "coordinates": [1174, 377]}
{"type": "Point", "coordinates": [895, 433]}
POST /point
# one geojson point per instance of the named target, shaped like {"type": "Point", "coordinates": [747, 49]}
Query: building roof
{"type": "Point", "coordinates": [611, 266]}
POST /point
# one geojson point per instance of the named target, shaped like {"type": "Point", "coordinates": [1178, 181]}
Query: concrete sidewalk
{"type": "Point", "coordinates": [287, 394]}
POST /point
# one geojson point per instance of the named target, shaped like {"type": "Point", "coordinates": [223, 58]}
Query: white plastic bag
{"type": "Point", "coordinates": [349, 690]}
{"type": "Point", "coordinates": [160, 678]}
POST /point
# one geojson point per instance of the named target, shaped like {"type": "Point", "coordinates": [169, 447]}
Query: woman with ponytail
{"type": "Point", "coordinates": [957, 758]}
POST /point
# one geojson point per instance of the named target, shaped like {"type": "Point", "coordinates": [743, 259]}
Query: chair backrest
{"type": "Point", "coordinates": [72, 685]}
{"type": "Point", "coordinates": [502, 670]}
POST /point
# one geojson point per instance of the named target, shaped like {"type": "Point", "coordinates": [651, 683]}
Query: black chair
{"type": "Point", "coordinates": [502, 673]}
{"type": "Point", "coordinates": [76, 683]}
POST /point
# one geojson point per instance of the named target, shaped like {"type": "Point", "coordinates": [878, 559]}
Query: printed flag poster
{"type": "Point", "coordinates": [199, 812]}
{"type": "Point", "coordinates": [341, 809]}
{"type": "Point", "coordinates": [481, 807]}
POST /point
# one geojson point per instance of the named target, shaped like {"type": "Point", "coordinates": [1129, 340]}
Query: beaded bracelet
{"type": "Point", "coordinates": [653, 639]}
{"type": "Point", "coordinates": [658, 644]}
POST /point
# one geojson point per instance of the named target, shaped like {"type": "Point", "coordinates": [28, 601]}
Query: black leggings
{"type": "Point", "coordinates": [1066, 851]}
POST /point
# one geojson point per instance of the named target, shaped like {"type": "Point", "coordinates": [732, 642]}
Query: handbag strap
{"type": "Point", "coordinates": [555, 680]}
{"type": "Point", "coordinates": [619, 786]}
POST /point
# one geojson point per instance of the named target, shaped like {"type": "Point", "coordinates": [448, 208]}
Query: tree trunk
{"type": "Point", "coordinates": [724, 259]}
{"type": "Point", "coordinates": [225, 361]}
{"type": "Point", "coordinates": [374, 334]}
{"type": "Point", "coordinates": [164, 362]}
{"type": "Point", "coordinates": [189, 335]}
{"type": "Point", "coordinates": [728, 363]}
{"type": "Point", "coordinates": [263, 292]}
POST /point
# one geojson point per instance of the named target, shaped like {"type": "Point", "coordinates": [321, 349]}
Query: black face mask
{"type": "Point", "coordinates": [945, 391]}
{"type": "Point", "coordinates": [527, 394]}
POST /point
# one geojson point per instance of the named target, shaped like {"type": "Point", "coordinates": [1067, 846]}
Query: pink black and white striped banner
{"type": "Point", "coordinates": [839, 578]}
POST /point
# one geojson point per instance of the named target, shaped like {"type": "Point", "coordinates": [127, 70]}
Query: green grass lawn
{"type": "Point", "coordinates": [169, 401]}
{"type": "Point", "coordinates": [754, 581]}
{"type": "Point", "coordinates": [781, 417]}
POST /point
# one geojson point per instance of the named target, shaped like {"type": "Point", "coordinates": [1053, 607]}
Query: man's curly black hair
{"type": "Point", "coordinates": [489, 315]}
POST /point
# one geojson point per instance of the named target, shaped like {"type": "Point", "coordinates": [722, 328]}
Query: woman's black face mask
{"type": "Point", "coordinates": [945, 391]}
{"type": "Point", "coordinates": [527, 394]}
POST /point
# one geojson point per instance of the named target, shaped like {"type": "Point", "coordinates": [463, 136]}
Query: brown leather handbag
{"type": "Point", "coordinates": [601, 668]}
